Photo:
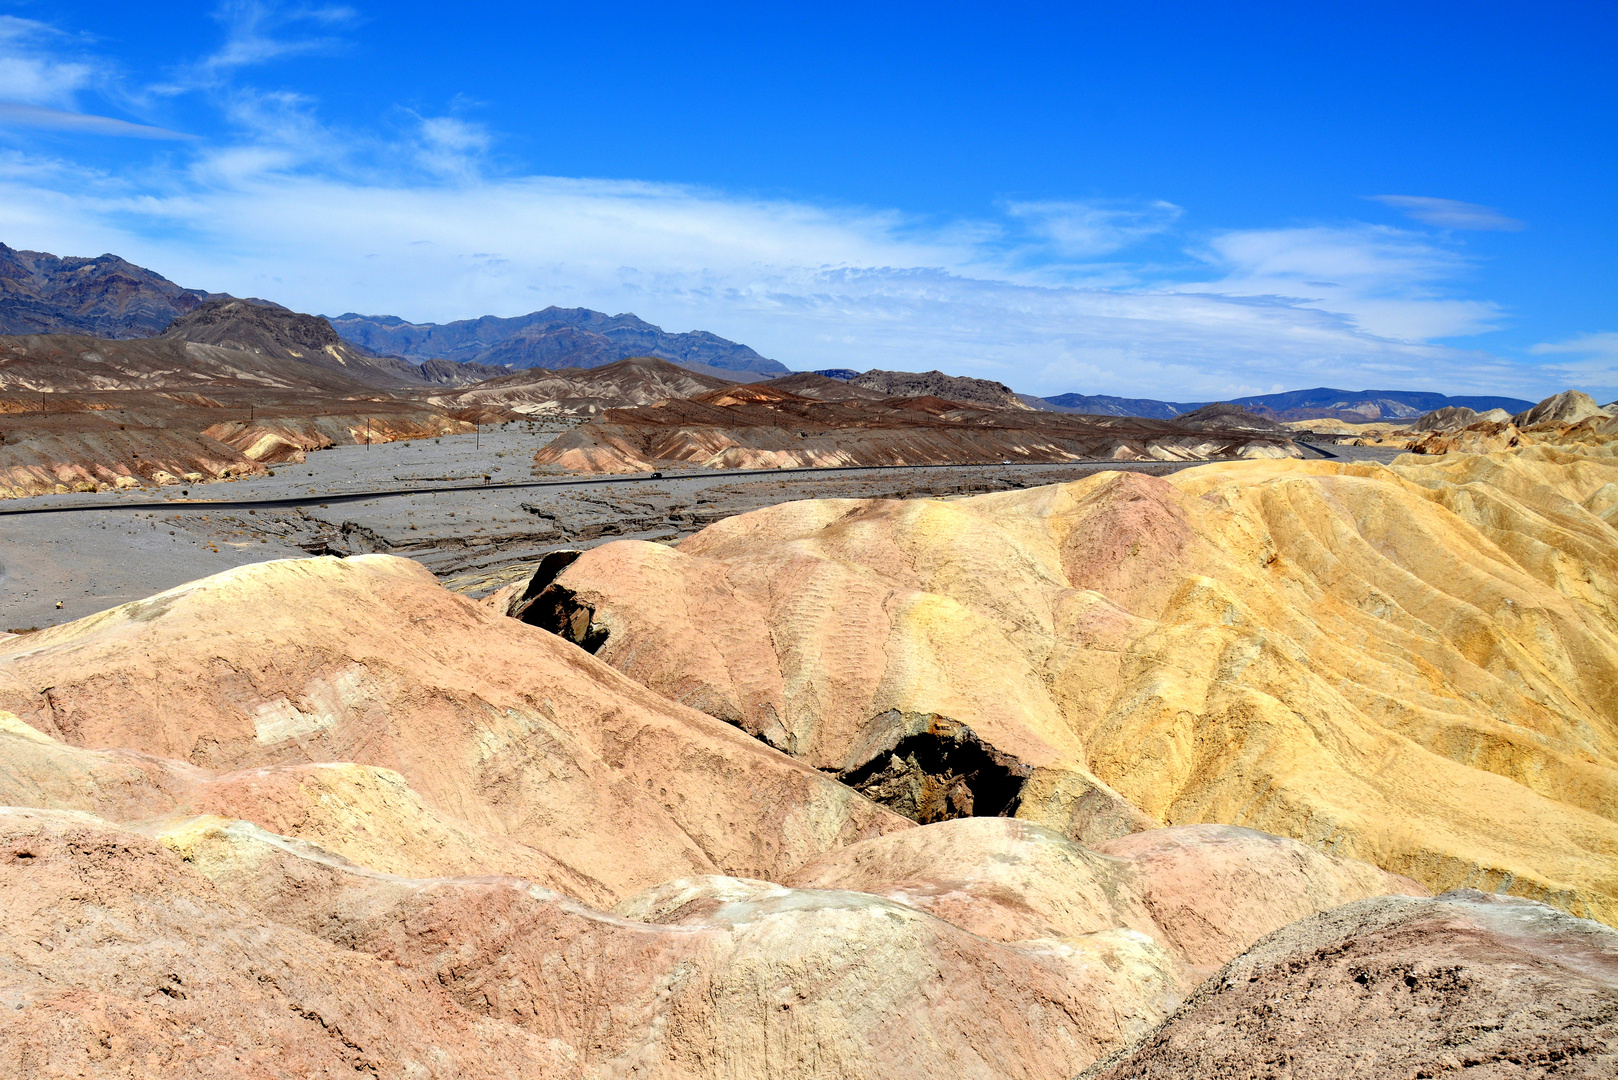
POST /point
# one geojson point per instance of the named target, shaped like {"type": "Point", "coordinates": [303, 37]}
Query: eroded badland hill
{"type": "Point", "coordinates": [1300, 768]}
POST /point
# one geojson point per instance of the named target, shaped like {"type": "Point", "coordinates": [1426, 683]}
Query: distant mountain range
{"type": "Point", "coordinates": [553, 338]}
{"type": "Point", "coordinates": [1321, 403]}
{"type": "Point", "coordinates": [111, 298]}
{"type": "Point", "coordinates": [271, 330]}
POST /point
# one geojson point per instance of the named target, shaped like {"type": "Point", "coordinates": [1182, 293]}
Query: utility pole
{"type": "Point", "coordinates": [477, 440]}
{"type": "Point", "coordinates": [367, 433]}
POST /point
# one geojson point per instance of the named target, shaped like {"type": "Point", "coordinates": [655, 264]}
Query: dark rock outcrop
{"type": "Point", "coordinates": [1225, 416]}
{"type": "Point", "coordinates": [984, 393]}
{"type": "Point", "coordinates": [1396, 986]}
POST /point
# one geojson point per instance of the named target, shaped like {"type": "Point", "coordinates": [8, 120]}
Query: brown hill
{"type": "Point", "coordinates": [79, 413]}
{"type": "Point", "coordinates": [810, 385]}
{"type": "Point", "coordinates": [985, 393]}
{"type": "Point", "coordinates": [60, 363]}
{"type": "Point", "coordinates": [1568, 407]}
{"type": "Point", "coordinates": [275, 332]}
{"type": "Point", "coordinates": [768, 427]}
{"type": "Point", "coordinates": [1223, 415]}
{"type": "Point", "coordinates": [641, 380]}
{"type": "Point", "coordinates": [120, 439]}
{"type": "Point", "coordinates": [1415, 665]}
{"type": "Point", "coordinates": [1566, 419]}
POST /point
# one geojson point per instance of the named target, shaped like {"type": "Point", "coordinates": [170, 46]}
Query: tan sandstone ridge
{"type": "Point", "coordinates": [1416, 665]}
{"type": "Point", "coordinates": [1570, 419]}
{"type": "Point", "coordinates": [369, 663]}
{"type": "Point", "coordinates": [322, 817]}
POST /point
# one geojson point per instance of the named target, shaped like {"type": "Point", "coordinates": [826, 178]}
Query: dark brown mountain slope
{"type": "Point", "coordinates": [106, 296]}
{"type": "Point", "coordinates": [810, 384]}
{"type": "Point", "coordinates": [758, 426]}
{"type": "Point", "coordinates": [985, 393]}
{"type": "Point", "coordinates": [66, 363]}
{"type": "Point", "coordinates": [640, 380]}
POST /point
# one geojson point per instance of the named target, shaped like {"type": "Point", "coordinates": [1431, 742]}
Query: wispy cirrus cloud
{"type": "Point", "coordinates": [32, 69]}
{"type": "Point", "coordinates": [1087, 230]}
{"type": "Point", "coordinates": [43, 73]}
{"type": "Point", "coordinates": [1390, 282]}
{"type": "Point", "coordinates": [257, 33]}
{"type": "Point", "coordinates": [811, 285]}
{"type": "Point", "coordinates": [410, 217]}
{"type": "Point", "coordinates": [1450, 213]}
{"type": "Point", "coordinates": [1592, 362]}
{"type": "Point", "coordinates": [34, 116]}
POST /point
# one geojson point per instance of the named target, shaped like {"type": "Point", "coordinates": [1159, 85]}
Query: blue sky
{"type": "Point", "coordinates": [1190, 201]}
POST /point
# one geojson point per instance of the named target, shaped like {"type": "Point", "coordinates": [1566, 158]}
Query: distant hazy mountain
{"type": "Point", "coordinates": [103, 297]}
{"type": "Point", "coordinates": [109, 297]}
{"type": "Point", "coordinates": [1321, 403]}
{"type": "Point", "coordinates": [554, 338]}
{"type": "Point", "coordinates": [1324, 402]}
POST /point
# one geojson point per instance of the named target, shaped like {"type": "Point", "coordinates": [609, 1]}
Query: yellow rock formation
{"type": "Point", "coordinates": [1415, 665]}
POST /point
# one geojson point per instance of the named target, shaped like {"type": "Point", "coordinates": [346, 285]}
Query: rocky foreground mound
{"type": "Point", "coordinates": [321, 817]}
{"type": "Point", "coordinates": [1469, 983]}
{"type": "Point", "coordinates": [1416, 665]}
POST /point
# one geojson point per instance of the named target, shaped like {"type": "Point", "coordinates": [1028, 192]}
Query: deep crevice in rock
{"type": "Point", "coordinates": [557, 608]}
{"type": "Point", "coordinates": [942, 773]}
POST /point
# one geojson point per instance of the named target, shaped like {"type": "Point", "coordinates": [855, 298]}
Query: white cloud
{"type": "Point", "coordinates": [1594, 363]}
{"type": "Point", "coordinates": [30, 74]}
{"type": "Point", "coordinates": [1450, 214]}
{"type": "Point", "coordinates": [813, 286]}
{"type": "Point", "coordinates": [451, 146]}
{"type": "Point", "coordinates": [414, 223]}
{"type": "Point", "coordinates": [34, 116]}
{"type": "Point", "coordinates": [259, 32]}
{"type": "Point", "coordinates": [1085, 230]}
{"type": "Point", "coordinates": [1387, 281]}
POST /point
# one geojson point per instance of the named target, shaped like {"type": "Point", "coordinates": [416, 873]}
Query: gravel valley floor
{"type": "Point", "coordinates": [474, 540]}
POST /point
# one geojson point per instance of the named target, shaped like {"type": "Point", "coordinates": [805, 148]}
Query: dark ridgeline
{"type": "Point", "coordinates": [553, 338]}
{"type": "Point", "coordinates": [111, 298]}
{"type": "Point", "coordinates": [104, 297]}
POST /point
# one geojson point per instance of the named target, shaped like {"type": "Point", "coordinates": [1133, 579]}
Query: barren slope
{"type": "Point", "coordinates": [641, 380]}
{"type": "Point", "coordinates": [1396, 987]}
{"type": "Point", "coordinates": [519, 735]}
{"type": "Point", "coordinates": [1415, 665]}
{"type": "Point", "coordinates": [323, 817]}
{"type": "Point", "coordinates": [119, 439]}
{"type": "Point", "coordinates": [767, 427]}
